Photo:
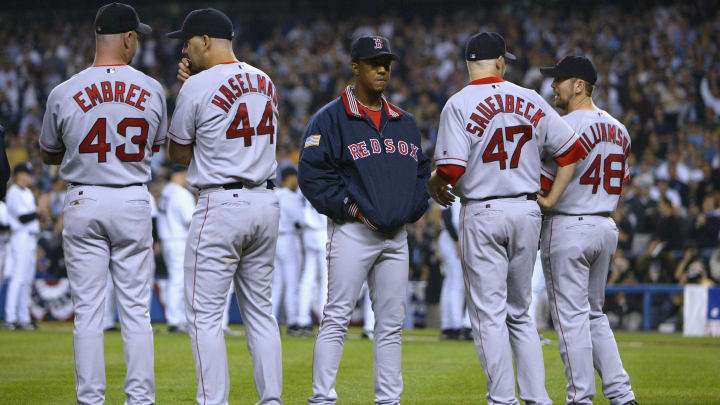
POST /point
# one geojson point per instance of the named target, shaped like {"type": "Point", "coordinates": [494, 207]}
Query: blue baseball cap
{"type": "Point", "coordinates": [572, 66]}
{"type": "Point", "coordinates": [486, 45]}
{"type": "Point", "coordinates": [207, 21]}
{"type": "Point", "coordinates": [370, 47]}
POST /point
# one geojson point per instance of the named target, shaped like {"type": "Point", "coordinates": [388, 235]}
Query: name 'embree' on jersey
{"type": "Point", "coordinates": [111, 92]}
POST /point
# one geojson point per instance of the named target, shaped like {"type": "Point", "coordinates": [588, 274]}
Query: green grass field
{"type": "Point", "coordinates": [37, 368]}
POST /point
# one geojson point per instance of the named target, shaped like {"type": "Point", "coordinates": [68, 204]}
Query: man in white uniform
{"type": "Point", "coordinates": [102, 126]}
{"type": "Point", "coordinates": [312, 294]}
{"type": "Point", "coordinates": [454, 319]}
{"type": "Point", "coordinates": [288, 257]}
{"type": "Point", "coordinates": [24, 228]}
{"type": "Point", "coordinates": [491, 135]}
{"type": "Point", "coordinates": [176, 207]}
{"type": "Point", "coordinates": [225, 127]}
{"type": "Point", "coordinates": [579, 238]}
{"type": "Point", "coordinates": [4, 239]}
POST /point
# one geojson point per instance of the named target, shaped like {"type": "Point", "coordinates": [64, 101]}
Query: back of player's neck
{"type": "Point", "coordinates": [483, 74]}
{"type": "Point", "coordinates": [105, 57]}
{"type": "Point", "coordinates": [585, 104]}
{"type": "Point", "coordinates": [221, 58]}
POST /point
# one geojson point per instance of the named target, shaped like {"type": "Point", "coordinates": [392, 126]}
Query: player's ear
{"type": "Point", "coordinates": [207, 42]}
{"type": "Point", "coordinates": [355, 67]}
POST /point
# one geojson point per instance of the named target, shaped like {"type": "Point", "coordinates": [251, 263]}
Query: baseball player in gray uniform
{"type": "Point", "coordinates": [102, 126]}
{"type": "Point", "coordinates": [312, 293]}
{"type": "Point", "coordinates": [4, 238]}
{"type": "Point", "coordinates": [288, 257]}
{"type": "Point", "coordinates": [24, 230]}
{"type": "Point", "coordinates": [490, 139]}
{"type": "Point", "coordinates": [225, 127]}
{"type": "Point", "coordinates": [362, 166]}
{"type": "Point", "coordinates": [579, 238]}
{"type": "Point", "coordinates": [176, 208]}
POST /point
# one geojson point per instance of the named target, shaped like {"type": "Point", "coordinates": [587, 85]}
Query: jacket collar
{"type": "Point", "coordinates": [352, 109]}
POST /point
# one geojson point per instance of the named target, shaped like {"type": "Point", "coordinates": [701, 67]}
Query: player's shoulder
{"type": "Point", "coordinates": [149, 80]}
{"type": "Point", "coordinates": [252, 69]}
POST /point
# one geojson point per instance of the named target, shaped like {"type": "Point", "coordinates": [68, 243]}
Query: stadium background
{"type": "Point", "coordinates": [659, 73]}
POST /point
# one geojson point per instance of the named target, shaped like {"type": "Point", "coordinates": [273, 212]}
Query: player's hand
{"type": "Point", "coordinates": [184, 70]}
{"type": "Point", "coordinates": [440, 191]}
{"type": "Point", "coordinates": [545, 203]}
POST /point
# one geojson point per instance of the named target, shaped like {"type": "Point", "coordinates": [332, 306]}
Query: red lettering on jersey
{"type": "Point", "coordinates": [527, 109]}
{"type": "Point", "coordinates": [535, 120]}
{"type": "Point", "coordinates": [220, 102]}
{"type": "Point", "coordinates": [254, 90]}
{"type": "Point", "coordinates": [472, 129]}
{"type": "Point", "coordinates": [93, 94]}
{"type": "Point", "coordinates": [414, 152]}
{"type": "Point", "coordinates": [235, 87]}
{"type": "Point", "coordinates": [509, 103]}
{"type": "Point", "coordinates": [119, 92]}
{"type": "Point", "coordinates": [375, 145]}
{"type": "Point", "coordinates": [487, 112]}
{"type": "Point", "coordinates": [493, 107]}
{"type": "Point", "coordinates": [271, 92]}
{"type": "Point", "coordinates": [81, 102]}
{"type": "Point", "coordinates": [403, 147]}
{"type": "Point", "coordinates": [389, 146]}
{"type": "Point", "coordinates": [482, 122]}
{"type": "Point", "coordinates": [519, 105]}
{"type": "Point", "coordinates": [241, 83]}
{"type": "Point", "coordinates": [364, 152]}
{"type": "Point", "coordinates": [585, 144]}
{"type": "Point", "coordinates": [228, 94]}
{"type": "Point", "coordinates": [261, 84]}
{"type": "Point", "coordinates": [596, 136]}
{"type": "Point", "coordinates": [604, 132]}
{"type": "Point", "coordinates": [590, 144]}
{"type": "Point", "coordinates": [143, 97]}
{"type": "Point", "coordinates": [500, 102]}
{"type": "Point", "coordinates": [106, 91]}
{"type": "Point", "coordinates": [354, 151]}
{"type": "Point", "coordinates": [611, 134]}
{"type": "Point", "coordinates": [131, 94]}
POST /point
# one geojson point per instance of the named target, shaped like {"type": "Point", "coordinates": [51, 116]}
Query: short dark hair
{"type": "Point", "coordinates": [589, 87]}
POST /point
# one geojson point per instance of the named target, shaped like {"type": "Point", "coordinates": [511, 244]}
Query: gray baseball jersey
{"type": "Point", "coordinates": [107, 119]}
{"type": "Point", "coordinates": [497, 131]}
{"type": "Point", "coordinates": [230, 113]}
{"type": "Point", "coordinates": [576, 250]}
{"type": "Point", "coordinates": [597, 183]}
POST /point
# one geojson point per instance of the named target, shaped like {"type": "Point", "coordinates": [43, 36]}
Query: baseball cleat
{"type": "Point", "coordinates": [230, 332]}
{"type": "Point", "coordinates": [367, 335]}
{"type": "Point", "coordinates": [177, 329]}
{"type": "Point", "coordinates": [450, 334]}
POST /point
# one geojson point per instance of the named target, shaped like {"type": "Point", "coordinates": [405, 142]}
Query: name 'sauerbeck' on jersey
{"type": "Point", "coordinates": [491, 106]}
{"type": "Point", "coordinates": [241, 84]}
{"type": "Point", "coordinates": [111, 92]}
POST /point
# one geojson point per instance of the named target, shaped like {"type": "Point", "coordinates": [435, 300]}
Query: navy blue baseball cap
{"type": "Point", "coordinates": [486, 45]}
{"type": "Point", "coordinates": [207, 21]}
{"type": "Point", "coordinates": [572, 66]}
{"type": "Point", "coordinates": [370, 47]}
{"type": "Point", "coordinates": [117, 18]}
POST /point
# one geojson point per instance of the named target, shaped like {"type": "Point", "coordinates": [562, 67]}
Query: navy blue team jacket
{"type": "Point", "coordinates": [345, 159]}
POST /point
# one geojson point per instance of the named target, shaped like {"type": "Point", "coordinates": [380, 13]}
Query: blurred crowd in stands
{"type": "Point", "coordinates": [659, 74]}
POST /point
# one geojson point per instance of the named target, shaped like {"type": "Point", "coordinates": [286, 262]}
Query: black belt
{"type": "Point", "coordinates": [107, 185]}
{"type": "Point", "coordinates": [532, 197]}
{"type": "Point", "coordinates": [597, 214]}
{"type": "Point", "coordinates": [238, 185]}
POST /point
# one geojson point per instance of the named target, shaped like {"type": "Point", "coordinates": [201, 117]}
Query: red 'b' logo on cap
{"type": "Point", "coordinates": [378, 43]}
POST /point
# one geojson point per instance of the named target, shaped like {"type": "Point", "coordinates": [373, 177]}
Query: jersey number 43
{"type": "Point", "coordinates": [102, 147]}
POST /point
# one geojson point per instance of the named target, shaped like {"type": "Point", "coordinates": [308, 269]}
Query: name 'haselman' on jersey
{"type": "Point", "coordinates": [229, 112]}
{"type": "Point", "coordinates": [107, 120]}
{"type": "Point", "coordinates": [498, 130]}
{"type": "Point", "coordinates": [597, 183]}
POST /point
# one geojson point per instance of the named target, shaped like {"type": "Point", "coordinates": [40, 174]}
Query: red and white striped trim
{"type": "Point", "coordinates": [353, 210]}
{"type": "Point", "coordinates": [369, 224]}
{"type": "Point", "coordinates": [351, 105]}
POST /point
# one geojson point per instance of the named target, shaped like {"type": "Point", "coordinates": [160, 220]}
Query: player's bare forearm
{"type": "Point", "coordinates": [562, 179]}
{"type": "Point", "coordinates": [50, 158]}
{"type": "Point", "coordinates": [180, 154]}
{"type": "Point", "coordinates": [439, 189]}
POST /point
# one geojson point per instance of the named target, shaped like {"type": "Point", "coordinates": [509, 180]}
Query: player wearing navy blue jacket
{"type": "Point", "coordinates": [362, 165]}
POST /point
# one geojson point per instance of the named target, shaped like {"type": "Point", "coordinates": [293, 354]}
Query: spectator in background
{"type": "Point", "coordinates": [692, 270]}
{"type": "Point", "coordinates": [706, 227]}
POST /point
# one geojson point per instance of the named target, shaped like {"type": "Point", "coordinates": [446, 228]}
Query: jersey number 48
{"type": "Point", "coordinates": [102, 147]}
{"type": "Point", "coordinates": [592, 175]}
